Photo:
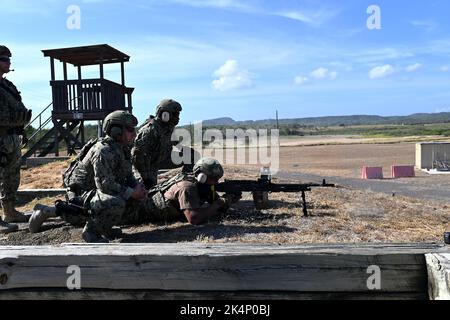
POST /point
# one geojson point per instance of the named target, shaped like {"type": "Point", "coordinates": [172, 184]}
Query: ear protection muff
{"type": "Point", "coordinates": [116, 131]}
{"type": "Point", "coordinates": [202, 178]}
{"type": "Point", "coordinates": [165, 116]}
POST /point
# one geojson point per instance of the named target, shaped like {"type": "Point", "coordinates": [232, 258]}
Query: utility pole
{"type": "Point", "coordinates": [278, 123]}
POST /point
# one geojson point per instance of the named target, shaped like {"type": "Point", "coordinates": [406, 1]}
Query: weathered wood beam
{"type": "Point", "coordinates": [220, 267]}
{"type": "Point", "coordinates": [438, 265]}
{"type": "Point", "coordinates": [65, 294]}
{"type": "Point", "coordinates": [52, 69]}
{"type": "Point", "coordinates": [65, 71]}
{"type": "Point", "coordinates": [122, 73]}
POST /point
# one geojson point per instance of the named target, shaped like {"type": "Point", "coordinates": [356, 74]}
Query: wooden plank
{"type": "Point", "coordinates": [60, 294]}
{"type": "Point", "coordinates": [219, 267]}
{"type": "Point", "coordinates": [438, 266]}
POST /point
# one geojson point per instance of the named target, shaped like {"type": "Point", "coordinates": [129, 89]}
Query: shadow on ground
{"type": "Point", "coordinates": [198, 233]}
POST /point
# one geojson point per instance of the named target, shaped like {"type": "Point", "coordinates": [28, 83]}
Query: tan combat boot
{"type": "Point", "coordinates": [40, 215]}
{"type": "Point", "coordinates": [7, 228]}
{"type": "Point", "coordinates": [10, 214]}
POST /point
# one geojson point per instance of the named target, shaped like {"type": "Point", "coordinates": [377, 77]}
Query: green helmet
{"type": "Point", "coordinates": [168, 111]}
{"type": "Point", "coordinates": [210, 167]}
{"type": "Point", "coordinates": [168, 105]}
{"type": "Point", "coordinates": [120, 119]}
{"type": "Point", "coordinates": [4, 51]}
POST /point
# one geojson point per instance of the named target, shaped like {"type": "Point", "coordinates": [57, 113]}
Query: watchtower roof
{"type": "Point", "coordinates": [88, 55]}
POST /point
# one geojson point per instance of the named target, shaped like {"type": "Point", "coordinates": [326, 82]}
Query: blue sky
{"type": "Point", "coordinates": [246, 59]}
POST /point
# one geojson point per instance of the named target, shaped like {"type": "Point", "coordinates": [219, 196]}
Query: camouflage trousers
{"type": "Point", "coordinates": [10, 160]}
{"type": "Point", "coordinates": [107, 211]}
{"type": "Point", "coordinates": [154, 209]}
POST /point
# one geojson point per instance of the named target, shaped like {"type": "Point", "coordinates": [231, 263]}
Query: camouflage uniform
{"type": "Point", "coordinates": [110, 165]}
{"type": "Point", "coordinates": [153, 145]}
{"type": "Point", "coordinates": [99, 182]}
{"type": "Point", "coordinates": [168, 200]}
{"type": "Point", "coordinates": [13, 117]}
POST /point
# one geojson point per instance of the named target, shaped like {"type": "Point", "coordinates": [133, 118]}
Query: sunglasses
{"type": "Point", "coordinates": [3, 59]}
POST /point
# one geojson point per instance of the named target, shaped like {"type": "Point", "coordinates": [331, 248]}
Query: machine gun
{"type": "Point", "coordinates": [263, 186]}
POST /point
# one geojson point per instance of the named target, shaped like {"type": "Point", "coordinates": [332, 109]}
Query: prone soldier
{"type": "Point", "coordinates": [13, 118]}
{"type": "Point", "coordinates": [187, 197]}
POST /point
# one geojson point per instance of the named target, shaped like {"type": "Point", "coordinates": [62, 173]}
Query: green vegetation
{"type": "Point", "coordinates": [369, 131]}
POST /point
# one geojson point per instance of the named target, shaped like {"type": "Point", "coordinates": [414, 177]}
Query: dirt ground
{"type": "Point", "coordinates": [337, 215]}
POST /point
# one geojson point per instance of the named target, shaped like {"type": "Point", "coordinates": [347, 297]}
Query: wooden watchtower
{"type": "Point", "coordinates": [79, 100]}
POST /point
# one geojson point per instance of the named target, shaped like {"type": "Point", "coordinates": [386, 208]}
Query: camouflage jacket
{"type": "Point", "coordinates": [13, 113]}
{"type": "Point", "coordinates": [152, 148]}
{"type": "Point", "coordinates": [110, 165]}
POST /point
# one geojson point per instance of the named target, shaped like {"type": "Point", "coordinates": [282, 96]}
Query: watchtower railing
{"type": "Point", "coordinates": [89, 95]}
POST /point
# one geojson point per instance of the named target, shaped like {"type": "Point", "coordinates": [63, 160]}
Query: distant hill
{"type": "Point", "coordinates": [418, 118]}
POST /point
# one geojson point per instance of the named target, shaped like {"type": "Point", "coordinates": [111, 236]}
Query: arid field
{"type": "Point", "coordinates": [337, 215]}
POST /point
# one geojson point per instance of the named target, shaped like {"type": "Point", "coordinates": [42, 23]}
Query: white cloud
{"type": "Point", "coordinates": [381, 71]}
{"type": "Point", "coordinates": [301, 80]}
{"type": "Point", "coordinates": [413, 67]}
{"type": "Point", "coordinates": [27, 7]}
{"type": "Point", "coordinates": [231, 77]}
{"type": "Point", "coordinates": [315, 19]}
{"type": "Point", "coordinates": [320, 73]}
{"type": "Point", "coordinates": [445, 68]}
{"type": "Point", "coordinates": [220, 4]}
{"type": "Point", "coordinates": [324, 73]}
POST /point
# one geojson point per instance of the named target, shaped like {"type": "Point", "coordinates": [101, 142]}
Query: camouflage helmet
{"type": "Point", "coordinates": [209, 166]}
{"type": "Point", "coordinates": [169, 105]}
{"type": "Point", "coordinates": [4, 51]}
{"type": "Point", "coordinates": [119, 118]}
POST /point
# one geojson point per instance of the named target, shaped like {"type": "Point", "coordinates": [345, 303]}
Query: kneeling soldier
{"type": "Point", "coordinates": [100, 183]}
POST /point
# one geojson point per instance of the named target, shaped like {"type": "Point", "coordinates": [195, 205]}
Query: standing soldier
{"type": "Point", "coordinates": [13, 118]}
{"type": "Point", "coordinates": [153, 145]}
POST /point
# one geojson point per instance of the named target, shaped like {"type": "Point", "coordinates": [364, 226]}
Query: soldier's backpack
{"type": "Point", "coordinates": [76, 176]}
{"type": "Point", "coordinates": [166, 185]}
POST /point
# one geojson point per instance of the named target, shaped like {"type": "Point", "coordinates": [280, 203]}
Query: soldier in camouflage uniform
{"type": "Point", "coordinates": [153, 144]}
{"type": "Point", "coordinates": [102, 183]}
{"type": "Point", "coordinates": [13, 118]}
{"type": "Point", "coordinates": [183, 198]}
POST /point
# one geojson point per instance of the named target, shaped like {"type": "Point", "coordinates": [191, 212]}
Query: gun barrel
{"type": "Point", "coordinates": [234, 186]}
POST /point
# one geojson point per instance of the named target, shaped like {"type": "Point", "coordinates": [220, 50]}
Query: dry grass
{"type": "Point", "coordinates": [336, 216]}
{"type": "Point", "coordinates": [48, 176]}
